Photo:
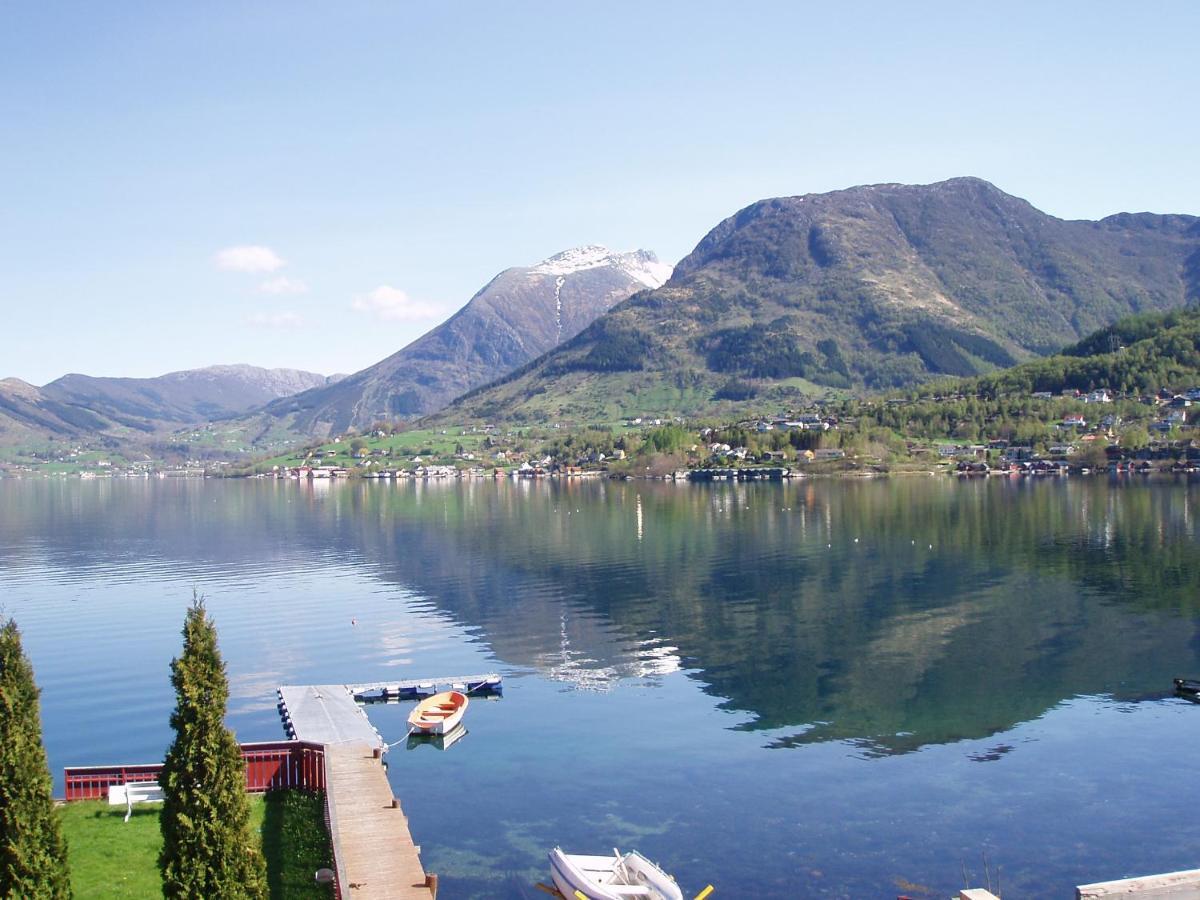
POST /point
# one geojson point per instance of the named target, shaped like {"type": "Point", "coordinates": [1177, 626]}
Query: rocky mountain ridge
{"type": "Point", "coordinates": [520, 314]}
{"type": "Point", "coordinates": [869, 288]}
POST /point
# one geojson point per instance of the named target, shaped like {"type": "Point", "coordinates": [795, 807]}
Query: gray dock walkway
{"type": "Point", "coordinates": [325, 714]}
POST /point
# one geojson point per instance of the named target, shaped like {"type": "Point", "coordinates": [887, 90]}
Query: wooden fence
{"type": "Point", "coordinates": [269, 766]}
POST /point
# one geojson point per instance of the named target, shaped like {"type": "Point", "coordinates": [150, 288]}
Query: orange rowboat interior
{"type": "Point", "coordinates": [438, 714]}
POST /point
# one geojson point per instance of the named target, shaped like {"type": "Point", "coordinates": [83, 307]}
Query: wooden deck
{"type": "Point", "coordinates": [374, 851]}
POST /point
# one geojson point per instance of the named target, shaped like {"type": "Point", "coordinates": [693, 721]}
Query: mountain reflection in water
{"type": "Point", "coordinates": [895, 614]}
{"type": "Point", "coordinates": [665, 642]}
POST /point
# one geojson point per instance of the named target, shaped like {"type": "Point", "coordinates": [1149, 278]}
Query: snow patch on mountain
{"type": "Point", "coordinates": [641, 265]}
{"type": "Point", "coordinates": [558, 283]}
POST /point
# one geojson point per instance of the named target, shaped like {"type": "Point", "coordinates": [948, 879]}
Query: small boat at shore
{"type": "Point", "coordinates": [622, 876]}
{"type": "Point", "coordinates": [1188, 687]}
{"type": "Point", "coordinates": [438, 714]}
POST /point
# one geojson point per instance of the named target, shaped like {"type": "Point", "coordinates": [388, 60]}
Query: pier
{"type": "Point", "coordinates": [373, 850]}
{"type": "Point", "coordinates": [750, 473]}
{"type": "Point", "coordinates": [415, 689]}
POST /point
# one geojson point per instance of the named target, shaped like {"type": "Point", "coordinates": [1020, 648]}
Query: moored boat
{"type": "Point", "coordinates": [1188, 687]}
{"type": "Point", "coordinates": [621, 876]}
{"type": "Point", "coordinates": [438, 714]}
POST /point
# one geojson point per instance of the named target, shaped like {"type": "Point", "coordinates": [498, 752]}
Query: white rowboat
{"type": "Point", "coordinates": [438, 714]}
{"type": "Point", "coordinates": [628, 876]}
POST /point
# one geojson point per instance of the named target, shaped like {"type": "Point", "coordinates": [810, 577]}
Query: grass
{"type": "Point", "coordinates": [111, 858]}
{"type": "Point", "coordinates": [295, 843]}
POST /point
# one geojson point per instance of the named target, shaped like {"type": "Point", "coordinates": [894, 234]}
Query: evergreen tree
{"type": "Point", "coordinates": [208, 848]}
{"type": "Point", "coordinates": [33, 854]}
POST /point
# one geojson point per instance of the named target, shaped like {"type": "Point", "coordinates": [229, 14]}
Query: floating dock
{"type": "Point", "coordinates": [330, 713]}
{"type": "Point", "coordinates": [325, 714]}
{"type": "Point", "coordinates": [415, 689]}
{"type": "Point", "coordinates": [1173, 885]}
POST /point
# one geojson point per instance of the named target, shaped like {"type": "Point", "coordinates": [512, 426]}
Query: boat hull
{"type": "Point", "coordinates": [575, 872]}
{"type": "Point", "coordinates": [439, 714]}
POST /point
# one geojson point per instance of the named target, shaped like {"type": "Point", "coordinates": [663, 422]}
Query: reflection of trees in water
{"type": "Point", "coordinates": [962, 609]}
{"type": "Point", "coordinates": [1030, 593]}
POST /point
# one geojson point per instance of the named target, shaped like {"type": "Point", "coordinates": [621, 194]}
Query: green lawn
{"type": "Point", "coordinates": [113, 858]}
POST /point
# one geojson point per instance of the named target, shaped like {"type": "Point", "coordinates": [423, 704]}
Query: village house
{"type": "Point", "coordinates": [1177, 418]}
{"type": "Point", "coordinates": [808, 423]}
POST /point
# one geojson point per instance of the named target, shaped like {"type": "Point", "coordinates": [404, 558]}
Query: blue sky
{"type": "Point", "coordinates": [387, 159]}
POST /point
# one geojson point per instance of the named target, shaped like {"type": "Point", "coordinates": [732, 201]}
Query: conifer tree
{"type": "Point", "coordinates": [208, 848]}
{"type": "Point", "coordinates": [33, 854]}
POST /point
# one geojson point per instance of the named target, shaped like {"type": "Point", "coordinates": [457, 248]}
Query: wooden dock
{"type": "Point", "coordinates": [374, 854]}
{"type": "Point", "coordinates": [373, 851]}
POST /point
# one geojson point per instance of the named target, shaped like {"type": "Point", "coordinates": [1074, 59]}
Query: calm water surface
{"type": "Point", "coordinates": [822, 688]}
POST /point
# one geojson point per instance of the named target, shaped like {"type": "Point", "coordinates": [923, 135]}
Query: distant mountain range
{"type": "Point", "coordinates": [867, 288]}
{"type": "Point", "coordinates": [519, 315]}
{"type": "Point", "coordinates": [80, 406]}
{"type": "Point", "coordinates": [870, 288]}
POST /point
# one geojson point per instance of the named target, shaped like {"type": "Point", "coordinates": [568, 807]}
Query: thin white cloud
{"type": "Point", "coordinates": [276, 320]}
{"type": "Point", "coordinates": [248, 258]}
{"type": "Point", "coordinates": [281, 284]}
{"type": "Point", "coordinates": [393, 304]}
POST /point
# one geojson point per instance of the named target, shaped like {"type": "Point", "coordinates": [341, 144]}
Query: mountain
{"type": "Point", "coordinates": [520, 314]}
{"type": "Point", "coordinates": [868, 288]}
{"type": "Point", "coordinates": [79, 406]}
{"type": "Point", "coordinates": [1139, 355]}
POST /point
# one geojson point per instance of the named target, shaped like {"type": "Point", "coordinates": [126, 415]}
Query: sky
{"type": "Point", "coordinates": [313, 185]}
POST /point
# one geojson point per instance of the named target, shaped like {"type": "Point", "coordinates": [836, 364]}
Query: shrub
{"type": "Point", "coordinates": [33, 854]}
{"type": "Point", "coordinates": [208, 849]}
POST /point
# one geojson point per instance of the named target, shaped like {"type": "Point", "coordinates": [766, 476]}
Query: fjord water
{"type": "Point", "coordinates": [822, 688]}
